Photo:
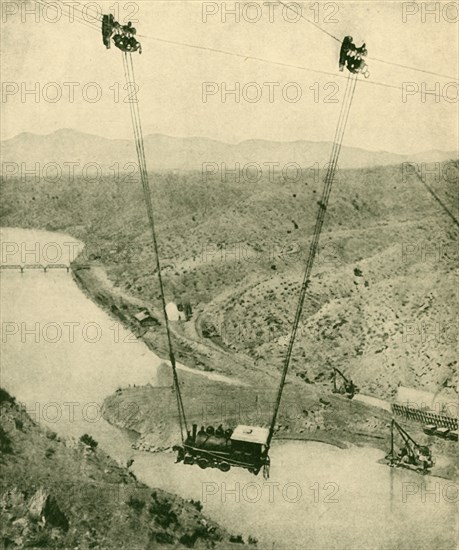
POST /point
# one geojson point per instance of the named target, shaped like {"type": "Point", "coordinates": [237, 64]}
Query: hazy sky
{"type": "Point", "coordinates": [35, 54]}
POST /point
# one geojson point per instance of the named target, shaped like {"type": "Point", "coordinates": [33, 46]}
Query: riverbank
{"type": "Point", "coordinates": [308, 411]}
{"type": "Point", "coordinates": [315, 416]}
{"type": "Point", "coordinates": [191, 351]}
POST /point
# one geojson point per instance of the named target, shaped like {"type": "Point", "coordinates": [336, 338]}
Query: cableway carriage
{"type": "Point", "coordinates": [123, 36]}
{"type": "Point", "coordinates": [352, 57]}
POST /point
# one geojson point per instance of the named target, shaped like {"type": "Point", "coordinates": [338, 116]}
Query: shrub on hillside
{"type": "Point", "coordinates": [89, 441]}
{"type": "Point", "coordinates": [6, 446]}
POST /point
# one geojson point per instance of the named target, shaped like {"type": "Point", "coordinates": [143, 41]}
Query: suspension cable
{"type": "Point", "coordinates": [79, 18]}
{"type": "Point", "coordinates": [246, 57]}
{"type": "Point", "coordinates": [309, 20]}
{"type": "Point", "coordinates": [378, 60]}
{"type": "Point", "coordinates": [287, 6]}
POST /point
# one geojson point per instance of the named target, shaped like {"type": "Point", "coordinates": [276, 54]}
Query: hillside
{"type": "Point", "coordinates": [173, 153]}
{"type": "Point", "coordinates": [66, 494]}
{"type": "Point", "coordinates": [381, 301]}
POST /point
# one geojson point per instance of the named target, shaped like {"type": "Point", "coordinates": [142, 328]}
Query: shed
{"type": "Point", "coordinates": [145, 318]}
{"type": "Point", "coordinates": [444, 401]}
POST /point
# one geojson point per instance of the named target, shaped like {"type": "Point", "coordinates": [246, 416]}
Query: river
{"type": "Point", "coordinates": [61, 355]}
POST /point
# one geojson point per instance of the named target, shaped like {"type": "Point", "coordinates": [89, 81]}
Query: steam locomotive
{"type": "Point", "coordinates": [244, 447]}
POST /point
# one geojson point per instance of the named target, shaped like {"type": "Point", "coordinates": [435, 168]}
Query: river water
{"type": "Point", "coordinates": [61, 355]}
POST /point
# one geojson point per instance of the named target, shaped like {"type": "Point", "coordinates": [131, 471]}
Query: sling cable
{"type": "Point", "coordinates": [246, 446]}
{"type": "Point", "coordinates": [124, 39]}
{"type": "Point", "coordinates": [323, 203]}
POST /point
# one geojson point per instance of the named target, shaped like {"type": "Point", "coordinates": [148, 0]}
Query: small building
{"type": "Point", "coordinates": [145, 319]}
{"type": "Point", "coordinates": [173, 313]}
{"type": "Point", "coordinates": [438, 409]}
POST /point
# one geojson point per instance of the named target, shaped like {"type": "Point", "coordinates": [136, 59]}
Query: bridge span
{"type": "Point", "coordinates": [45, 267]}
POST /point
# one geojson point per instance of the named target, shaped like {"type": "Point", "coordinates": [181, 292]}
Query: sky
{"type": "Point", "coordinates": [273, 102]}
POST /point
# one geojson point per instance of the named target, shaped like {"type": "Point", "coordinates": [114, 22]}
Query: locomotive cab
{"type": "Point", "coordinates": [249, 442]}
{"type": "Point", "coordinates": [249, 446]}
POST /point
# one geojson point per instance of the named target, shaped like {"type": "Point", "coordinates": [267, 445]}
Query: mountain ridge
{"type": "Point", "coordinates": [190, 153]}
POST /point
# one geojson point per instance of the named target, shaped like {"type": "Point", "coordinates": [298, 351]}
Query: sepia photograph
{"type": "Point", "coordinates": [229, 275]}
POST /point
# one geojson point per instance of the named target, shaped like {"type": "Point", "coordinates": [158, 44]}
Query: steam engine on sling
{"type": "Point", "coordinates": [243, 447]}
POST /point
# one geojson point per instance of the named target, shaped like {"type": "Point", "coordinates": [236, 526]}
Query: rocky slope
{"type": "Point", "coordinates": [68, 494]}
{"type": "Point", "coordinates": [381, 302]}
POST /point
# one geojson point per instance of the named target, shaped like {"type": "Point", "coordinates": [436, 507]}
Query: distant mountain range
{"type": "Point", "coordinates": [172, 153]}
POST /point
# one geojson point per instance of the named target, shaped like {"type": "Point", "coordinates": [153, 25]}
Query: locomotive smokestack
{"type": "Point", "coordinates": [195, 429]}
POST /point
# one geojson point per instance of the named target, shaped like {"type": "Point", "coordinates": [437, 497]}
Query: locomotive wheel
{"type": "Point", "coordinates": [203, 463]}
{"type": "Point", "coordinates": [224, 466]}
